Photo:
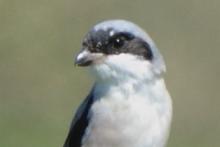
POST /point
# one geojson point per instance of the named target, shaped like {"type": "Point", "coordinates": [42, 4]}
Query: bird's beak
{"type": "Point", "coordinates": [84, 58]}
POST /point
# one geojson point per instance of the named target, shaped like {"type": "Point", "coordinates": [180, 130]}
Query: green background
{"type": "Point", "coordinates": [40, 88]}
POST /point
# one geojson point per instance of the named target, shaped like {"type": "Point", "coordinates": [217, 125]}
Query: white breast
{"type": "Point", "coordinates": [129, 118]}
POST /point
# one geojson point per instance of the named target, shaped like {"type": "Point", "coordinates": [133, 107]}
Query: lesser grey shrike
{"type": "Point", "coordinates": [129, 105]}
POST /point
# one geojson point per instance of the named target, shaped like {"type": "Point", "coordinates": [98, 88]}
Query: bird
{"type": "Point", "coordinates": [129, 104]}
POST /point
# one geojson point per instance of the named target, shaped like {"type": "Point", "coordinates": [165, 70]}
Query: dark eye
{"type": "Point", "coordinates": [84, 43]}
{"type": "Point", "coordinates": [118, 42]}
{"type": "Point", "coordinates": [119, 39]}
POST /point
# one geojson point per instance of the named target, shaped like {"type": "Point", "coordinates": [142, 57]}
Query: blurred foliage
{"type": "Point", "coordinates": [40, 88]}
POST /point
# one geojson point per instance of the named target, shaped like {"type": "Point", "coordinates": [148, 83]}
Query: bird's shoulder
{"type": "Point", "coordinates": [79, 122]}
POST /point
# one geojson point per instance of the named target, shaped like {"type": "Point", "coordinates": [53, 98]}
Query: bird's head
{"type": "Point", "coordinates": [118, 50]}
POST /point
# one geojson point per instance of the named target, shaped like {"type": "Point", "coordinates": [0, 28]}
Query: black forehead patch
{"type": "Point", "coordinates": [112, 42]}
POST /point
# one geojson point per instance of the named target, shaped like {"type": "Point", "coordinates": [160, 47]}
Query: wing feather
{"type": "Point", "coordinates": [79, 123]}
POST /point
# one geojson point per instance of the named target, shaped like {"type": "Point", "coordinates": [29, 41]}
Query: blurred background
{"type": "Point", "coordinates": [40, 88]}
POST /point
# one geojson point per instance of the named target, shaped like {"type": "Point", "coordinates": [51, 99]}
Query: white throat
{"type": "Point", "coordinates": [132, 104]}
{"type": "Point", "coordinates": [124, 67]}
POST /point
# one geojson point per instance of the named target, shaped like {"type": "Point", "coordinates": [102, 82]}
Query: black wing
{"type": "Point", "coordinates": [79, 123]}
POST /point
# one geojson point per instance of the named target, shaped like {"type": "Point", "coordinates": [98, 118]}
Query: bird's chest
{"type": "Point", "coordinates": [118, 121]}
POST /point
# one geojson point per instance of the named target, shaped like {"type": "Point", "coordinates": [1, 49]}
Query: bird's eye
{"type": "Point", "coordinates": [118, 42]}
{"type": "Point", "coordinates": [84, 43]}
{"type": "Point", "coordinates": [119, 39]}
